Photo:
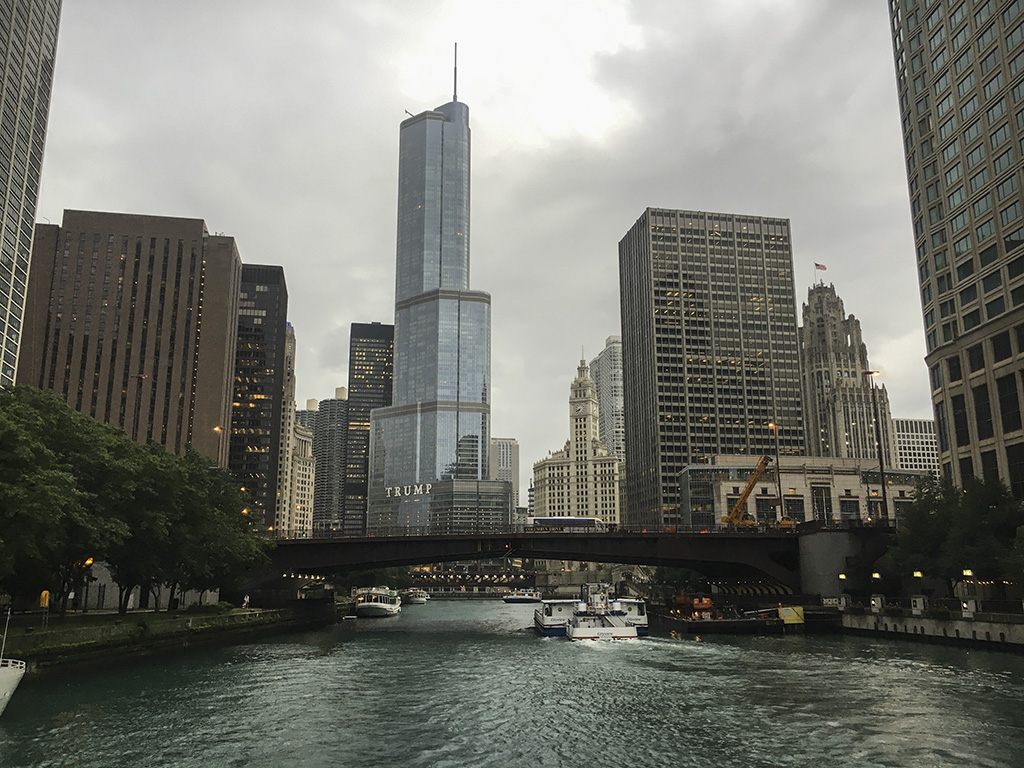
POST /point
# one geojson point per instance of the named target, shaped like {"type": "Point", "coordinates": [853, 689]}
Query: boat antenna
{"type": "Point", "coordinates": [455, 76]}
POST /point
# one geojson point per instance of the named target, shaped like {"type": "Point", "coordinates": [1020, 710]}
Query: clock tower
{"type": "Point", "coordinates": [581, 480]}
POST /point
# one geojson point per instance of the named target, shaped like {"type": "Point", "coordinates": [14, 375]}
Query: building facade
{"type": "Point", "coordinates": [824, 489]}
{"type": "Point", "coordinates": [840, 392]}
{"type": "Point", "coordinates": [960, 82]}
{"type": "Point", "coordinates": [917, 448]}
{"type": "Point", "coordinates": [328, 421]}
{"type": "Point", "coordinates": [132, 319]}
{"type": "Point", "coordinates": [28, 40]}
{"type": "Point", "coordinates": [370, 384]}
{"type": "Point", "coordinates": [429, 466]}
{"type": "Point", "coordinates": [259, 386]}
{"type": "Point", "coordinates": [583, 479]}
{"type": "Point", "coordinates": [710, 354]}
{"type": "Point", "coordinates": [504, 458]}
{"type": "Point", "coordinates": [606, 370]}
{"type": "Point", "coordinates": [293, 512]}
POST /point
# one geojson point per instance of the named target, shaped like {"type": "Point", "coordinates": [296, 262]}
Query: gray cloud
{"type": "Point", "coordinates": [278, 124]}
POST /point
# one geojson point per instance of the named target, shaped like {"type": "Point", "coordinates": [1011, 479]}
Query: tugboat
{"type": "Point", "coordinates": [11, 670]}
{"type": "Point", "coordinates": [372, 602]}
{"type": "Point", "coordinates": [596, 615]}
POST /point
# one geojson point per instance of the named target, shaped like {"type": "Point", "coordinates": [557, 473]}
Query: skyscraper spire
{"type": "Point", "coordinates": [455, 75]}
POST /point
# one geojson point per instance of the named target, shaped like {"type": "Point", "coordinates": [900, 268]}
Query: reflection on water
{"type": "Point", "coordinates": [455, 683]}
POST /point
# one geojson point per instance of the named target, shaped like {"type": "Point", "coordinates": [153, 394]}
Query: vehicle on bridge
{"type": "Point", "coordinates": [565, 524]}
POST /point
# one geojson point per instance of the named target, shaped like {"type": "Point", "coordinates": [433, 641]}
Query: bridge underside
{"type": "Point", "coordinates": [721, 555]}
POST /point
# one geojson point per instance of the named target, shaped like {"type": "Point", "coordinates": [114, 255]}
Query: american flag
{"type": "Point", "coordinates": [819, 266]}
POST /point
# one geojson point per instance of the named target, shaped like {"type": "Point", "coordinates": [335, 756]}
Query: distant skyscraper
{"type": "Point", "coordinates": [582, 479]}
{"type": "Point", "coordinates": [958, 72]}
{"type": "Point", "coordinates": [916, 445]}
{"type": "Point", "coordinates": [839, 416]}
{"type": "Point", "coordinates": [330, 450]}
{"type": "Point", "coordinates": [132, 319]}
{"type": "Point", "coordinates": [370, 381]}
{"type": "Point", "coordinates": [28, 45]}
{"type": "Point", "coordinates": [606, 370]}
{"type": "Point", "coordinates": [505, 463]}
{"type": "Point", "coordinates": [429, 464]}
{"type": "Point", "coordinates": [259, 377]}
{"type": "Point", "coordinates": [709, 348]}
{"type": "Point", "coordinates": [295, 469]}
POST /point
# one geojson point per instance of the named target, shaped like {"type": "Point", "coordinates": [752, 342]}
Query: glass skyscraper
{"type": "Point", "coordinates": [28, 42]}
{"type": "Point", "coordinates": [709, 352]}
{"type": "Point", "coordinates": [960, 80]}
{"type": "Point", "coordinates": [429, 449]}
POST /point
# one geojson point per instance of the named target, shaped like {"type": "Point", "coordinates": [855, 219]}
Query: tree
{"type": "Point", "coordinates": [948, 529]}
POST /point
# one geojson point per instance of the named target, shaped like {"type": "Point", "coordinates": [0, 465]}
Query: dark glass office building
{"type": "Point", "coordinates": [370, 381]}
{"type": "Point", "coordinates": [960, 80]}
{"type": "Point", "coordinates": [256, 415]}
{"type": "Point", "coordinates": [709, 351]}
{"type": "Point", "coordinates": [28, 45]}
{"type": "Point", "coordinates": [429, 449]}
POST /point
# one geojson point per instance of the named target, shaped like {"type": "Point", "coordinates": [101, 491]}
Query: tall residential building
{"type": "Point", "coordinates": [606, 370]}
{"type": "Point", "coordinates": [709, 349]}
{"type": "Point", "coordinates": [330, 450]}
{"type": "Point", "coordinates": [132, 319]}
{"type": "Point", "coordinates": [839, 403]}
{"type": "Point", "coordinates": [505, 463]}
{"type": "Point", "coordinates": [293, 515]}
{"type": "Point", "coordinates": [28, 46]}
{"type": "Point", "coordinates": [583, 478]}
{"type": "Point", "coordinates": [960, 81]}
{"type": "Point", "coordinates": [428, 450]}
{"type": "Point", "coordinates": [259, 386]}
{"type": "Point", "coordinates": [370, 381]}
{"type": "Point", "coordinates": [916, 445]}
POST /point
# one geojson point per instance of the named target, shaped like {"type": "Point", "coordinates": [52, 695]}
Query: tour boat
{"type": "Point", "coordinates": [523, 596]}
{"type": "Point", "coordinates": [377, 601]}
{"type": "Point", "coordinates": [11, 671]}
{"type": "Point", "coordinates": [596, 615]}
{"type": "Point", "coordinates": [416, 597]}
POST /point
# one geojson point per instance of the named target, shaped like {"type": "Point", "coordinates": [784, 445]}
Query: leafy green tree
{"type": "Point", "coordinates": [948, 529]}
{"type": "Point", "coordinates": [74, 491]}
{"type": "Point", "coordinates": [56, 478]}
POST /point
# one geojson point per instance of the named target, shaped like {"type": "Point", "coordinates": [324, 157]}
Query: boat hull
{"type": "Point", "coordinates": [377, 610]}
{"type": "Point", "coordinates": [11, 672]}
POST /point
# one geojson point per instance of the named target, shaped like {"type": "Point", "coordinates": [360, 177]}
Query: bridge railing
{"type": "Point", "coordinates": [403, 531]}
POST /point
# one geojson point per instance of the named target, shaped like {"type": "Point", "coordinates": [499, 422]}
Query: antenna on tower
{"type": "Point", "coordinates": [455, 79]}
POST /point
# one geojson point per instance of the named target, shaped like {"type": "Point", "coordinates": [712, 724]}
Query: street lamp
{"type": "Point", "coordinates": [778, 467]}
{"type": "Point", "coordinates": [878, 442]}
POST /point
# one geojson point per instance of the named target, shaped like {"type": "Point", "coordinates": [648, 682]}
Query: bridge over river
{"type": "Point", "coordinates": [805, 561]}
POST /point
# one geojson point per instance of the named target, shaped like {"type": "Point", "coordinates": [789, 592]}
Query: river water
{"type": "Point", "coordinates": [468, 683]}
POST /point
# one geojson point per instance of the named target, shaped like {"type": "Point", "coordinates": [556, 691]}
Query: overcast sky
{"type": "Point", "coordinates": [277, 123]}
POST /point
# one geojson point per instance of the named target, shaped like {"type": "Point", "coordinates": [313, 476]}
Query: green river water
{"type": "Point", "coordinates": [468, 683]}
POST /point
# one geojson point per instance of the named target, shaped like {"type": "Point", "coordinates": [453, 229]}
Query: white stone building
{"type": "Point", "coordinates": [583, 478]}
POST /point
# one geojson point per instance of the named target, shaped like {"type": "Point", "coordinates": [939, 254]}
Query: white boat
{"type": "Point", "coordinates": [11, 671]}
{"type": "Point", "coordinates": [596, 615]}
{"type": "Point", "coordinates": [416, 597]}
{"type": "Point", "coordinates": [377, 601]}
{"type": "Point", "coordinates": [523, 596]}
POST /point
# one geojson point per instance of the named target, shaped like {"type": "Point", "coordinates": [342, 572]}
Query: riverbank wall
{"type": "Point", "coordinates": [98, 637]}
{"type": "Point", "coordinates": [961, 622]}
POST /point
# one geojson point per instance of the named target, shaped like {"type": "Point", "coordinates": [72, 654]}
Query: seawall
{"type": "Point", "coordinates": [108, 636]}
